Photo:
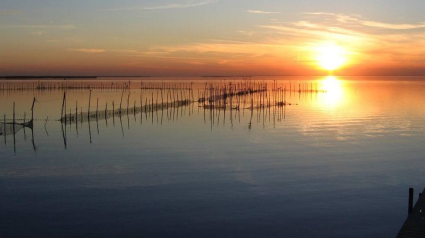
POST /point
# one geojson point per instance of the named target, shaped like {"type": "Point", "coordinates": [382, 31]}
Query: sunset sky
{"type": "Point", "coordinates": [210, 37]}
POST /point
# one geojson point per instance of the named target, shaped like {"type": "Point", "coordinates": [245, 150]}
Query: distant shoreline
{"type": "Point", "coordinates": [224, 76]}
{"type": "Point", "coordinates": [25, 77]}
{"type": "Point", "coordinates": [67, 77]}
{"type": "Point", "coordinates": [48, 77]}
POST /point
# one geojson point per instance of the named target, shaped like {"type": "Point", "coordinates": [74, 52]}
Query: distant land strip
{"type": "Point", "coordinates": [134, 76]}
{"type": "Point", "coordinates": [68, 77]}
{"type": "Point", "coordinates": [223, 76]}
{"type": "Point", "coordinates": [48, 77]}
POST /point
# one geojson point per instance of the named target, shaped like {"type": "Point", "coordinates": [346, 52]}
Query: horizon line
{"type": "Point", "coordinates": [6, 77]}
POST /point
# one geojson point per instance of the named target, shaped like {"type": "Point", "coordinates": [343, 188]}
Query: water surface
{"type": "Point", "coordinates": [331, 164]}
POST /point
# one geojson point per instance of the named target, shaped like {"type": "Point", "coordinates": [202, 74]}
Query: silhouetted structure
{"type": "Point", "coordinates": [414, 226]}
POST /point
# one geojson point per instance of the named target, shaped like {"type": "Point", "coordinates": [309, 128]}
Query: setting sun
{"type": "Point", "coordinates": [331, 56]}
{"type": "Point", "coordinates": [212, 118]}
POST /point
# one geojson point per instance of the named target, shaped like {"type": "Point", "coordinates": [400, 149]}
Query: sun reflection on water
{"type": "Point", "coordinates": [334, 91]}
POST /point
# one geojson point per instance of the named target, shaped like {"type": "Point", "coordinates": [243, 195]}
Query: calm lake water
{"type": "Point", "coordinates": [332, 164]}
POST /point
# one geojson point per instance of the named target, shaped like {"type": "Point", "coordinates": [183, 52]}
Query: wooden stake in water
{"type": "Point", "coordinates": [63, 104]}
{"type": "Point", "coordinates": [13, 114]}
{"type": "Point", "coordinates": [76, 111]}
{"type": "Point", "coordinates": [122, 95]}
{"type": "Point", "coordinates": [97, 107]}
{"type": "Point", "coordinates": [128, 101]}
{"type": "Point", "coordinates": [89, 106]}
{"type": "Point", "coordinates": [4, 128]}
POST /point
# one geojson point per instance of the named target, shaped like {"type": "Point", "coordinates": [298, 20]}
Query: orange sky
{"type": "Point", "coordinates": [210, 37]}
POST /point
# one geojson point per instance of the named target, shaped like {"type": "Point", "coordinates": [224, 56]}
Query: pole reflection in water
{"type": "Point", "coordinates": [267, 148]}
{"type": "Point", "coordinates": [224, 101]}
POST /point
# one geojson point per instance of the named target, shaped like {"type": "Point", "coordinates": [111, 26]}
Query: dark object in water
{"type": "Point", "coordinates": [414, 226]}
{"type": "Point", "coordinates": [10, 128]}
{"type": "Point", "coordinates": [281, 104]}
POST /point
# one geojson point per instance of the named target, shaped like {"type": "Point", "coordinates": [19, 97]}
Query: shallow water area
{"type": "Point", "coordinates": [334, 160]}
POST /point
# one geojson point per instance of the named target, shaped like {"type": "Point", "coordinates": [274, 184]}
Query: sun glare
{"type": "Point", "coordinates": [331, 56]}
{"type": "Point", "coordinates": [334, 91]}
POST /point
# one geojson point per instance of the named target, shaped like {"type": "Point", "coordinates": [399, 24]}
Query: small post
{"type": "Point", "coordinates": [128, 98]}
{"type": "Point", "coordinates": [113, 112]}
{"type": "Point", "coordinates": [13, 114]}
{"type": "Point", "coordinates": [121, 102]}
{"type": "Point", "coordinates": [410, 208]}
{"type": "Point", "coordinates": [88, 111]}
{"type": "Point", "coordinates": [97, 107]}
{"type": "Point", "coordinates": [4, 128]}
{"type": "Point", "coordinates": [32, 109]}
{"type": "Point", "coordinates": [64, 111]}
{"type": "Point", "coordinates": [63, 103]}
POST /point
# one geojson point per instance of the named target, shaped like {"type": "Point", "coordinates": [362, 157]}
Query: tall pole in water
{"type": "Point", "coordinates": [14, 138]}
{"type": "Point", "coordinates": [4, 128]}
{"type": "Point", "coordinates": [97, 107]}
{"type": "Point", "coordinates": [32, 110]}
{"type": "Point", "coordinates": [122, 94]}
{"type": "Point", "coordinates": [13, 115]}
{"type": "Point", "coordinates": [63, 104]}
{"type": "Point", "coordinates": [89, 104]}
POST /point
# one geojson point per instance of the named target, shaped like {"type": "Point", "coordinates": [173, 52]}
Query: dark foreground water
{"type": "Point", "coordinates": [335, 164]}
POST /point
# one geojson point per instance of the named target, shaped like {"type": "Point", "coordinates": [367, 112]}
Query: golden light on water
{"type": "Point", "coordinates": [334, 91]}
{"type": "Point", "coordinates": [331, 56]}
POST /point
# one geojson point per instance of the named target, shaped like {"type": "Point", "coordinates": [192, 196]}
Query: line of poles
{"type": "Point", "coordinates": [63, 85]}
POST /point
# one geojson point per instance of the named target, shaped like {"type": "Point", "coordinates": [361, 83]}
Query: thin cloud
{"type": "Point", "coordinates": [359, 20]}
{"type": "Point", "coordinates": [261, 12]}
{"type": "Point", "coordinates": [9, 12]}
{"type": "Point", "coordinates": [187, 4]}
{"type": "Point", "coordinates": [227, 48]}
{"type": "Point", "coordinates": [38, 33]}
{"type": "Point", "coordinates": [247, 33]}
{"type": "Point", "coordinates": [182, 5]}
{"type": "Point", "coordinates": [393, 26]}
{"type": "Point", "coordinates": [93, 51]}
{"type": "Point", "coordinates": [40, 26]}
{"type": "Point", "coordinates": [125, 51]}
